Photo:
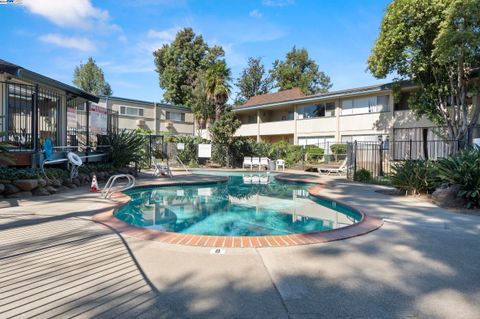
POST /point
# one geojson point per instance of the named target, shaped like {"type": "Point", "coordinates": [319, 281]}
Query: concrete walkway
{"type": "Point", "coordinates": [423, 263]}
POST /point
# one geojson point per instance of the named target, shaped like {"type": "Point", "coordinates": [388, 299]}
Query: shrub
{"type": "Point", "coordinates": [363, 175]}
{"type": "Point", "coordinates": [415, 176]}
{"type": "Point", "coordinates": [463, 169]}
{"type": "Point", "coordinates": [19, 173]}
{"type": "Point", "coordinates": [339, 151]}
{"type": "Point", "coordinates": [189, 153]}
{"type": "Point", "coordinates": [314, 153]}
{"type": "Point", "coordinates": [126, 147]}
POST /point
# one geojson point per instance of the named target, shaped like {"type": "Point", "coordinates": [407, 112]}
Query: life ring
{"type": "Point", "coordinates": [74, 159]}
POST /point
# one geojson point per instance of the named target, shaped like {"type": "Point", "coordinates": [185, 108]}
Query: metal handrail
{"type": "Point", "coordinates": [107, 190]}
{"type": "Point", "coordinates": [184, 167]}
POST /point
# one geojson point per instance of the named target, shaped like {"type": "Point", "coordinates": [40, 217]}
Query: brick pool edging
{"type": "Point", "coordinates": [366, 225]}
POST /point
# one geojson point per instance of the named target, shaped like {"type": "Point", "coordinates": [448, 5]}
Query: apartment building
{"type": "Point", "coordinates": [359, 114]}
{"type": "Point", "coordinates": [153, 116]}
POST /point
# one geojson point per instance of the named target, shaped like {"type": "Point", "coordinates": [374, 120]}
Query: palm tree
{"type": "Point", "coordinates": [217, 86]}
{"type": "Point", "coordinates": [202, 107]}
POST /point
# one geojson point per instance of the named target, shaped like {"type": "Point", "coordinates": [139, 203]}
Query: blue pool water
{"type": "Point", "coordinates": [247, 205]}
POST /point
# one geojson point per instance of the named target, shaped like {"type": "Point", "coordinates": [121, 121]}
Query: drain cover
{"type": "Point", "coordinates": [217, 251]}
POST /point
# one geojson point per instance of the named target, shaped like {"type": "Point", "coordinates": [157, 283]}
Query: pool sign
{"type": "Point", "coordinates": [204, 150]}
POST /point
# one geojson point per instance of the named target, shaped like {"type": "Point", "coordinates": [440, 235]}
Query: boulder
{"type": "Point", "coordinates": [446, 196]}
{"type": "Point", "coordinates": [51, 189]}
{"type": "Point", "coordinates": [56, 182]}
{"type": "Point", "coordinates": [2, 188]}
{"type": "Point", "coordinates": [5, 181]}
{"type": "Point", "coordinates": [42, 182]}
{"type": "Point", "coordinates": [11, 189]}
{"type": "Point", "coordinates": [76, 182]}
{"type": "Point", "coordinates": [26, 184]}
{"type": "Point", "coordinates": [66, 181]}
{"type": "Point", "coordinates": [40, 191]}
{"type": "Point", "coordinates": [20, 195]}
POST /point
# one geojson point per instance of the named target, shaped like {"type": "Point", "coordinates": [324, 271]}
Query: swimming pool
{"type": "Point", "coordinates": [248, 204]}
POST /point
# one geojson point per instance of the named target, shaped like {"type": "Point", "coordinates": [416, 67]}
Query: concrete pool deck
{"type": "Point", "coordinates": [423, 263]}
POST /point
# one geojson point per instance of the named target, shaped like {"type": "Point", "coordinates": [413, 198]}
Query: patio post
{"type": "Point", "coordinates": [35, 125]}
{"type": "Point", "coordinates": [87, 110]}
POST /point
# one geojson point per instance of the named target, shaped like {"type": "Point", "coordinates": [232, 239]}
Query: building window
{"type": "Point", "coordinates": [363, 138]}
{"type": "Point", "coordinates": [370, 104]}
{"type": "Point", "coordinates": [175, 116]}
{"type": "Point", "coordinates": [317, 110]}
{"type": "Point", "coordinates": [320, 141]}
{"type": "Point", "coordinates": [131, 111]}
{"type": "Point", "coordinates": [402, 105]}
{"type": "Point", "coordinates": [252, 119]}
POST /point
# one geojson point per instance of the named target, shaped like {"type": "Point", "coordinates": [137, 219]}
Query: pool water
{"type": "Point", "coordinates": [247, 205]}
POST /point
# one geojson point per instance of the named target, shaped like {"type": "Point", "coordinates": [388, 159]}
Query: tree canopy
{"type": "Point", "coordinates": [90, 78]}
{"type": "Point", "coordinates": [436, 44]}
{"type": "Point", "coordinates": [217, 78]}
{"type": "Point", "coordinates": [254, 80]}
{"type": "Point", "coordinates": [298, 70]}
{"type": "Point", "coordinates": [180, 62]}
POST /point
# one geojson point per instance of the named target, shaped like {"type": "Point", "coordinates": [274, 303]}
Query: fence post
{"type": "Point", "coordinates": [410, 152]}
{"type": "Point", "coordinates": [380, 170]}
{"type": "Point", "coordinates": [355, 160]}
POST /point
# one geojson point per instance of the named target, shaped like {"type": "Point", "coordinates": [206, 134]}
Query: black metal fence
{"type": "Point", "coordinates": [373, 161]}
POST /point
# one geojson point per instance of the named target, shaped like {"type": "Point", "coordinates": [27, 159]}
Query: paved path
{"type": "Point", "coordinates": [423, 263]}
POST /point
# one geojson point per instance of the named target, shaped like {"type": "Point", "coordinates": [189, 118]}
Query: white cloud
{"type": "Point", "coordinates": [156, 39]}
{"type": "Point", "coordinates": [123, 39]}
{"type": "Point", "coordinates": [164, 35]}
{"type": "Point", "coordinates": [278, 3]}
{"type": "Point", "coordinates": [255, 14]}
{"type": "Point", "coordinates": [77, 43]}
{"type": "Point", "coordinates": [69, 13]}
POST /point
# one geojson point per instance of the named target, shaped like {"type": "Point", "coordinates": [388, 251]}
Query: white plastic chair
{"type": "Point", "coordinates": [280, 162]}
{"type": "Point", "coordinates": [247, 161]}
{"type": "Point", "coordinates": [255, 161]}
{"type": "Point", "coordinates": [264, 162]}
{"type": "Point", "coordinates": [161, 169]}
{"type": "Point", "coordinates": [340, 170]}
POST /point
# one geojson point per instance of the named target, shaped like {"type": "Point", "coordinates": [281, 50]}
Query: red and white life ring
{"type": "Point", "coordinates": [74, 159]}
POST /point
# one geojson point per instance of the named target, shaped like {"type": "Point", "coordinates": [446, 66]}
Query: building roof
{"type": "Point", "coordinates": [279, 96]}
{"type": "Point", "coordinates": [31, 76]}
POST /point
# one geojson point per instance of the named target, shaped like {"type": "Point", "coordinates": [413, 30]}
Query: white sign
{"type": "Point", "coordinates": [98, 119]}
{"type": "Point", "coordinates": [204, 150]}
{"type": "Point", "coordinates": [476, 141]}
{"type": "Point", "coordinates": [180, 146]}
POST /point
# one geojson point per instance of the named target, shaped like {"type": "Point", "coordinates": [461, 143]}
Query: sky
{"type": "Point", "coordinates": [51, 37]}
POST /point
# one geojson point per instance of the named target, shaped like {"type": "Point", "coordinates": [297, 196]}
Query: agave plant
{"type": "Point", "coordinates": [126, 147]}
{"type": "Point", "coordinates": [414, 176]}
{"type": "Point", "coordinates": [463, 169]}
{"type": "Point", "coordinates": [4, 153]}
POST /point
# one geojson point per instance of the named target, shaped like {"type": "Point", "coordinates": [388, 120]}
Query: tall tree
{"type": "Point", "coordinates": [179, 63]}
{"type": "Point", "coordinates": [217, 79]}
{"type": "Point", "coordinates": [90, 78]}
{"type": "Point", "coordinates": [298, 70]}
{"type": "Point", "coordinates": [253, 81]}
{"type": "Point", "coordinates": [222, 134]}
{"type": "Point", "coordinates": [202, 107]}
{"type": "Point", "coordinates": [437, 45]}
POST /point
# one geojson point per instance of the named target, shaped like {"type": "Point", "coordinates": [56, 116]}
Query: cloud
{"type": "Point", "coordinates": [255, 14]}
{"type": "Point", "coordinates": [163, 35]}
{"type": "Point", "coordinates": [278, 3]}
{"type": "Point", "coordinates": [77, 43]}
{"type": "Point", "coordinates": [123, 39]}
{"type": "Point", "coordinates": [69, 13]}
{"type": "Point", "coordinates": [155, 39]}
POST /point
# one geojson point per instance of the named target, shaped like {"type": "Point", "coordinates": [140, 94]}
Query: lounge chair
{"type": "Point", "coordinates": [342, 169]}
{"type": "Point", "coordinates": [263, 162]}
{"type": "Point", "coordinates": [255, 162]}
{"type": "Point", "coordinates": [280, 162]}
{"type": "Point", "coordinates": [247, 161]}
{"type": "Point", "coordinates": [161, 169]}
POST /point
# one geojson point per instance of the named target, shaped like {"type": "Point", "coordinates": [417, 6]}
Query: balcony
{"type": "Point", "coordinates": [277, 128]}
{"type": "Point", "coordinates": [317, 125]}
{"type": "Point", "coordinates": [247, 130]}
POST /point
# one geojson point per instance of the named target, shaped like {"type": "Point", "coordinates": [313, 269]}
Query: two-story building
{"type": "Point", "coordinates": [152, 116]}
{"type": "Point", "coordinates": [358, 114]}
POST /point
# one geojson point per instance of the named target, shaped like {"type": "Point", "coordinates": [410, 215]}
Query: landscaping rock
{"type": "Point", "coordinates": [42, 182]}
{"type": "Point", "coordinates": [76, 181]}
{"type": "Point", "coordinates": [2, 188]}
{"type": "Point", "coordinates": [51, 189]}
{"type": "Point", "coordinates": [26, 184]}
{"type": "Point", "coordinates": [41, 191]}
{"type": "Point", "coordinates": [11, 189]}
{"type": "Point", "coordinates": [66, 181]}
{"type": "Point", "coordinates": [5, 181]}
{"type": "Point", "coordinates": [55, 182]}
{"type": "Point", "coordinates": [447, 197]}
{"type": "Point", "coordinates": [72, 186]}
{"type": "Point", "coordinates": [62, 188]}
{"type": "Point", "coordinates": [20, 195]}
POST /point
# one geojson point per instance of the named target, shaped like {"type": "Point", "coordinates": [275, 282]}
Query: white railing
{"type": "Point", "coordinates": [108, 189]}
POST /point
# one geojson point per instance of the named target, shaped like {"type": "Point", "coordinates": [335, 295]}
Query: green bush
{"type": "Point", "coordinates": [415, 176]}
{"type": "Point", "coordinates": [126, 147]}
{"type": "Point", "coordinates": [363, 175]}
{"type": "Point", "coordinates": [314, 153]}
{"type": "Point", "coordinates": [10, 173]}
{"type": "Point", "coordinates": [463, 169]}
{"type": "Point", "coordinates": [189, 153]}
{"type": "Point", "coordinates": [339, 151]}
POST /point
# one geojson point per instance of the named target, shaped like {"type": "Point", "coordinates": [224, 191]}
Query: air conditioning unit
{"type": "Point", "coordinates": [140, 122]}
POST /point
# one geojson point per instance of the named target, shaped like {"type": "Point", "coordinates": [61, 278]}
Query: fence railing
{"type": "Point", "coordinates": [373, 161]}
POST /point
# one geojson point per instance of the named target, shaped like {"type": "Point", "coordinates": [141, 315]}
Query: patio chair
{"type": "Point", "coordinates": [161, 169]}
{"type": "Point", "coordinates": [280, 162]}
{"type": "Point", "coordinates": [342, 169]}
{"type": "Point", "coordinates": [255, 162]}
{"type": "Point", "coordinates": [247, 161]}
{"type": "Point", "coordinates": [263, 162]}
